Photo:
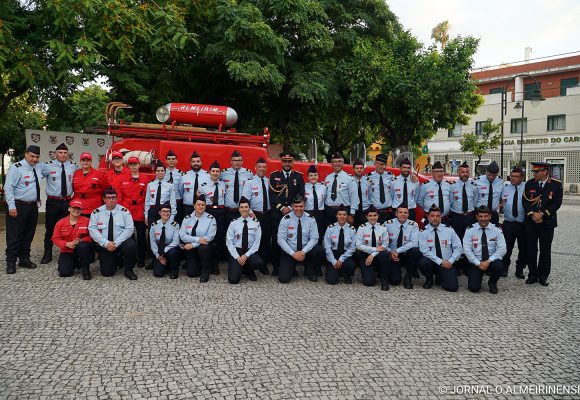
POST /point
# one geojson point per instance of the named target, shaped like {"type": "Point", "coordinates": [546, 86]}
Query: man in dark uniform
{"type": "Point", "coordinates": [542, 199]}
{"type": "Point", "coordinates": [285, 185]}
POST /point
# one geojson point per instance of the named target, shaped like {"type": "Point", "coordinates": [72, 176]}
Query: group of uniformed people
{"type": "Point", "coordinates": [341, 222]}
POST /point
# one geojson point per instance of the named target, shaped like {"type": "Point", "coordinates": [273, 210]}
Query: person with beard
{"type": "Point", "coordinates": [191, 182]}
{"type": "Point", "coordinates": [314, 195]}
{"type": "Point", "coordinates": [337, 188]}
{"type": "Point", "coordinates": [436, 192]}
{"type": "Point", "coordinates": [513, 223]}
{"type": "Point", "coordinates": [489, 187]}
{"type": "Point", "coordinates": [405, 189]}
{"type": "Point", "coordinates": [380, 193]}
{"type": "Point", "coordinates": [173, 176]}
{"type": "Point", "coordinates": [234, 178]}
{"type": "Point", "coordinates": [359, 190]}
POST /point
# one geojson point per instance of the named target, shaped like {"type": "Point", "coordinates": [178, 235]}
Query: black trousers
{"type": "Point", "coordinates": [447, 277]}
{"type": "Point", "coordinates": [81, 255]}
{"type": "Point", "coordinates": [172, 257]}
{"type": "Point", "coordinates": [20, 232]}
{"type": "Point", "coordinates": [538, 268]}
{"type": "Point", "coordinates": [187, 210]}
{"type": "Point", "coordinates": [369, 272]}
{"type": "Point", "coordinates": [359, 218]}
{"type": "Point", "coordinates": [235, 270]}
{"type": "Point", "coordinates": [219, 241]}
{"type": "Point", "coordinates": [312, 264]}
{"type": "Point", "coordinates": [410, 259]}
{"type": "Point", "coordinates": [385, 215]}
{"type": "Point", "coordinates": [475, 275]}
{"type": "Point", "coordinates": [265, 220]}
{"type": "Point", "coordinates": [494, 217]}
{"type": "Point", "coordinates": [199, 261]}
{"type": "Point", "coordinates": [230, 216]}
{"type": "Point", "coordinates": [460, 222]}
{"type": "Point", "coordinates": [153, 215]}
{"type": "Point", "coordinates": [109, 260]}
{"type": "Point", "coordinates": [141, 234]}
{"type": "Point", "coordinates": [330, 213]}
{"type": "Point", "coordinates": [321, 224]}
{"type": "Point", "coordinates": [275, 250]}
{"type": "Point", "coordinates": [179, 215]}
{"type": "Point", "coordinates": [347, 270]}
{"type": "Point", "coordinates": [55, 211]}
{"type": "Point", "coordinates": [513, 231]}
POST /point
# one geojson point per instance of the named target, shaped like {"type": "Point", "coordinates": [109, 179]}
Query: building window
{"type": "Point", "coordinates": [516, 125]}
{"type": "Point", "coordinates": [557, 122]}
{"type": "Point", "coordinates": [496, 90]}
{"type": "Point", "coordinates": [566, 83]}
{"type": "Point", "coordinates": [455, 132]}
{"type": "Point", "coordinates": [532, 90]}
{"type": "Point", "coordinates": [479, 127]}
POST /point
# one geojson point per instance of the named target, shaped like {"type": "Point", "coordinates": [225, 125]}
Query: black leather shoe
{"type": "Point", "coordinates": [428, 284]}
{"type": "Point", "coordinates": [252, 276]}
{"type": "Point", "coordinates": [11, 268]}
{"type": "Point", "coordinates": [26, 264]}
{"type": "Point", "coordinates": [312, 278]}
{"type": "Point", "coordinates": [492, 287]}
{"type": "Point", "coordinates": [544, 282]}
{"type": "Point", "coordinates": [520, 275]}
{"type": "Point", "coordinates": [173, 275]}
{"type": "Point", "coordinates": [140, 265]}
{"type": "Point", "coordinates": [264, 270]}
{"type": "Point", "coordinates": [407, 282]}
{"type": "Point", "coordinates": [504, 273]}
{"type": "Point", "coordinates": [348, 280]}
{"type": "Point", "coordinates": [130, 275]}
{"type": "Point", "coordinates": [384, 286]}
{"type": "Point", "coordinates": [87, 276]}
{"type": "Point", "coordinates": [149, 267]}
{"type": "Point", "coordinates": [274, 273]}
{"type": "Point", "coordinates": [295, 273]}
{"type": "Point", "coordinates": [416, 275]}
{"type": "Point", "coordinates": [215, 271]}
{"type": "Point", "coordinates": [46, 257]}
{"type": "Point", "coordinates": [531, 281]}
{"type": "Point", "coordinates": [204, 279]}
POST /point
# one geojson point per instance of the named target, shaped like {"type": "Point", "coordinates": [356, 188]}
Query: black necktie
{"type": "Point", "coordinates": [245, 236]}
{"type": "Point", "coordinates": [464, 199]}
{"type": "Point", "coordinates": [158, 198]}
{"type": "Point", "coordinates": [194, 229]}
{"type": "Point", "coordinates": [360, 197]}
{"type": "Point", "coordinates": [110, 234]}
{"type": "Point", "coordinates": [438, 252]}
{"type": "Point", "coordinates": [195, 187]}
{"type": "Point", "coordinates": [162, 242]}
{"type": "Point", "coordinates": [440, 195]}
{"type": "Point", "coordinates": [236, 188]}
{"type": "Point", "coordinates": [315, 197]}
{"type": "Point", "coordinates": [334, 188]}
{"type": "Point", "coordinates": [400, 238]}
{"type": "Point", "coordinates": [490, 196]}
{"type": "Point", "coordinates": [170, 176]}
{"type": "Point", "coordinates": [381, 189]}
{"type": "Point", "coordinates": [264, 196]}
{"type": "Point", "coordinates": [341, 241]}
{"type": "Point", "coordinates": [63, 189]}
{"type": "Point", "coordinates": [299, 236]}
{"type": "Point", "coordinates": [541, 184]}
{"type": "Point", "coordinates": [37, 184]}
{"type": "Point", "coordinates": [405, 193]}
{"type": "Point", "coordinates": [373, 238]}
{"type": "Point", "coordinates": [214, 199]}
{"type": "Point", "coordinates": [515, 203]}
{"type": "Point", "coordinates": [484, 249]}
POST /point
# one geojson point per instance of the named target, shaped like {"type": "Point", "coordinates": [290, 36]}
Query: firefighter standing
{"type": "Point", "coordinates": [314, 194]}
{"type": "Point", "coordinates": [118, 173]}
{"type": "Point", "coordinates": [191, 182]}
{"type": "Point", "coordinates": [158, 192]}
{"type": "Point", "coordinates": [405, 189]}
{"type": "Point", "coordinates": [214, 193]}
{"type": "Point", "coordinates": [489, 187]}
{"type": "Point", "coordinates": [513, 223]}
{"type": "Point", "coordinates": [337, 184]}
{"type": "Point", "coordinates": [173, 176]}
{"type": "Point", "coordinates": [88, 185]}
{"type": "Point", "coordinates": [359, 191]}
{"type": "Point", "coordinates": [380, 193]}
{"type": "Point", "coordinates": [234, 178]}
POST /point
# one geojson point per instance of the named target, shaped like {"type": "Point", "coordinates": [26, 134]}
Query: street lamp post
{"type": "Point", "coordinates": [521, 105]}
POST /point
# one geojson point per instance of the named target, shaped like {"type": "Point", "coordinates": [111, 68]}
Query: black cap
{"type": "Point", "coordinates": [286, 155]}
{"type": "Point", "coordinates": [260, 161]}
{"type": "Point", "coordinates": [159, 164]}
{"type": "Point", "coordinates": [382, 157]}
{"type": "Point", "coordinates": [464, 165]}
{"type": "Point", "coordinates": [33, 149]}
{"type": "Point", "coordinates": [215, 164]}
{"type": "Point", "coordinates": [62, 146]}
{"type": "Point", "coordinates": [482, 210]}
{"type": "Point", "coordinates": [297, 199]}
{"type": "Point", "coordinates": [538, 165]}
{"type": "Point", "coordinates": [165, 206]}
{"type": "Point", "coordinates": [517, 169]}
{"type": "Point", "coordinates": [236, 153]}
{"type": "Point", "coordinates": [434, 208]}
{"type": "Point", "coordinates": [195, 154]}
{"type": "Point", "coordinates": [244, 200]}
{"type": "Point", "coordinates": [312, 169]}
{"type": "Point", "coordinates": [337, 156]}
{"type": "Point", "coordinates": [492, 168]}
{"type": "Point", "coordinates": [170, 153]}
{"type": "Point", "coordinates": [437, 166]}
{"type": "Point", "coordinates": [406, 161]}
{"type": "Point", "coordinates": [109, 190]}
{"type": "Point", "coordinates": [358, 162]}
{"type": "Point", "coordinates": [371, 209]}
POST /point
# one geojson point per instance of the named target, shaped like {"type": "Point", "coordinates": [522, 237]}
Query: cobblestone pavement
{"type": "Point", "coordinates": [111, 338]}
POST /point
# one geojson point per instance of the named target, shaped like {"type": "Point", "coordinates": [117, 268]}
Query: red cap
{"type": "Point", "coordinates": [86, 155]}
{"type": "Point", "coordinates": [76, 204]}
{"type": "Point", "coordinates": [133, 160]}
{"type": "Point", "coordinates": [116, 153]}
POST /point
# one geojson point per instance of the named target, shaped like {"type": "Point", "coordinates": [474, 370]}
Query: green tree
{"type": "Point", "coordinates": [441, 33]}
{"type": "Point", "coordinates": [83, 108]}
{"type": "Point", "coordinates": [479, 144]}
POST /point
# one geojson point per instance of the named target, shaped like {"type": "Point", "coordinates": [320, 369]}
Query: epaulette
{"type": "Point", "coordinates": [331, 225]}
{"type": "Point", "coordinates": [49, 162]}
{"type": "Point", "coordinates": [73, 162]}
{"type": "Point", "coordinates": [557, 180]}
{"type": "Point", "coordinates": [247, 169]}
{"type": "Point", "coordinates": [210, 216]}
{"type": "Point", "coordinates": [124, 209]}
{"type": "Point", "coordinates": [203, 184]}
{"type": "Point", "coordinates": [389, 172]}
{"type": "Point", "coordinates": [155, 223]}
{"type": "Point", "coordinates": [353, 228]}
{"type": "Point", "coordinates": [174, 223]}
{"type": "Point", "coordinates": [412, 222]}
{"type": "Point", "coordinates": [298, 172]}
{"type": "Point", "coordinates": [449, 182]}
{"type": "Point", "coordinates": [370, 174]}
{"type": "Point", "coordinates": [469, 226]}
{"type": "Point", "coordinates": [390, 221]}
{"type": "Point", "coordinates": [255, 219]}
{"type": "Point", "coordinates": [311, 216]}
{"type": "Point", "coordinates": [183, 173]}
{"type": "Point", "coordinates": [187, 216]}
{"type": "Point", "coordinates": [18, 165]}
{"type": "Point", "coordinates": [365, 224]}
{"type": "Point", "coordinates": [287, 216]}
{"type": "Point", "coordinates": [273, 172]}
{"type": "Point", "coordinates": [96, 211]}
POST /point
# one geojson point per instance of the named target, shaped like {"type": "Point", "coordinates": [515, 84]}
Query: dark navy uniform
{"type": "Point", "coordinates": [483, 244]}
{"type": "Point", "coordinates": [164, 240]}
{"type": "Point", "coordinates": [243, 238]}
{"type": "Point", "coordinates": [340, 245]}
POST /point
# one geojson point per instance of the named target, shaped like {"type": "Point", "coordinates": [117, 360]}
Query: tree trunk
{"type": "Point", "coordinates": [476, 165]}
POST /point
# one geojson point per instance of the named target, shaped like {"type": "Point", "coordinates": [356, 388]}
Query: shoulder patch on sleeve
{"type": "Point", "coordinates": [286, 216]}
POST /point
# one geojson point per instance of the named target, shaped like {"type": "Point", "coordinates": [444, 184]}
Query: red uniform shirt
{"type": "Point", "coordinates": [115, 179]}
{"type": "Point", "coordinates": [133, 194]}
{"type": "Point", "coordinates": [89, 189]}
{"type": "Point", "coordinates": [64, 232]}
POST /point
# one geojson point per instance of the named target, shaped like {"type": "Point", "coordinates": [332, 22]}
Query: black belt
{"type": "Point", "coordinates": [464, 214]}
{"type": "Point", "coordinates": [260, 212]}
{"type": "Point", "coordinates": [313, 212]}
{"type": "Point", "coordinates": [65, 198]}
{"type": "Point", "coordinates": [385, 210]}
{"type": "Point", "coordinates": [25, 203]}
{"type": "Point", "coordinates": [231, 209]}
{"type": "Point", "coordinates": [216, 207]}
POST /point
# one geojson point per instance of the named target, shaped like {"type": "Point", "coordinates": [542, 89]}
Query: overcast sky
{"type": "Point", "coordinates": [504, 27]}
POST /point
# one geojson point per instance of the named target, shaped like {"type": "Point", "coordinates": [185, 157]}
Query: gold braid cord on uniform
{"type": "Point", "coordinates": [285, 187]}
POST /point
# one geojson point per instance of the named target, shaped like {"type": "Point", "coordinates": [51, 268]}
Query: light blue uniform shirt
{"type": "Point", "coordinates": [20, 183]}
{"type": "Point", "coordinates": [457, 195]}
{"type": "Point", "coordinates": [365, 185]}
{"type": "Point", "coordinates": [364, 238]}
{"type": "Point", "coordinates": [167, 196]}
{"type": "Point", "coordinates": [171, 236]}
{"type": "Point", "coordinates": [52, 171]}
{"type": "Point", "coordinates": [342, 185]}
{"type": "Point", "coordinates": [99, 225]}
{"type": "Point", "coordinates": [507, 198]}
{"type": "Point", "coordinates": [472, 243]}
{"type": "Point", "coordinates": [288, 230]}
{"type": "Point", "coordinates": [206, 228]}
{"type": "Point", "coordinates": [483, 187]}
{"type": "Point", "coordinates": [234, 236]}
{"type": "Point", "coordinates": [253, 192]}
{"type": "Point", "coordinates": [207, 190]}
{"type": "Point", "coordinates": [450, 243]}
{"type": "Point", "coordinates": [175, 175]}
{"type": "Point", "coordinates": [331, 237]}
{"type": "Point", "coordinates": [309, 196]}
{"type": "Point", "coordinates": [410, 235]}
{"type": "Point", "coordinates": [228, 177]}
{"type": "Point", "coordinates": [429, 195]}
{"type": "Point", "coordinates": [375, 193]}
{"type": "Point", "coordinates": [187, 184]}
{"type": "Point", "coordinates": [397, 186]}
